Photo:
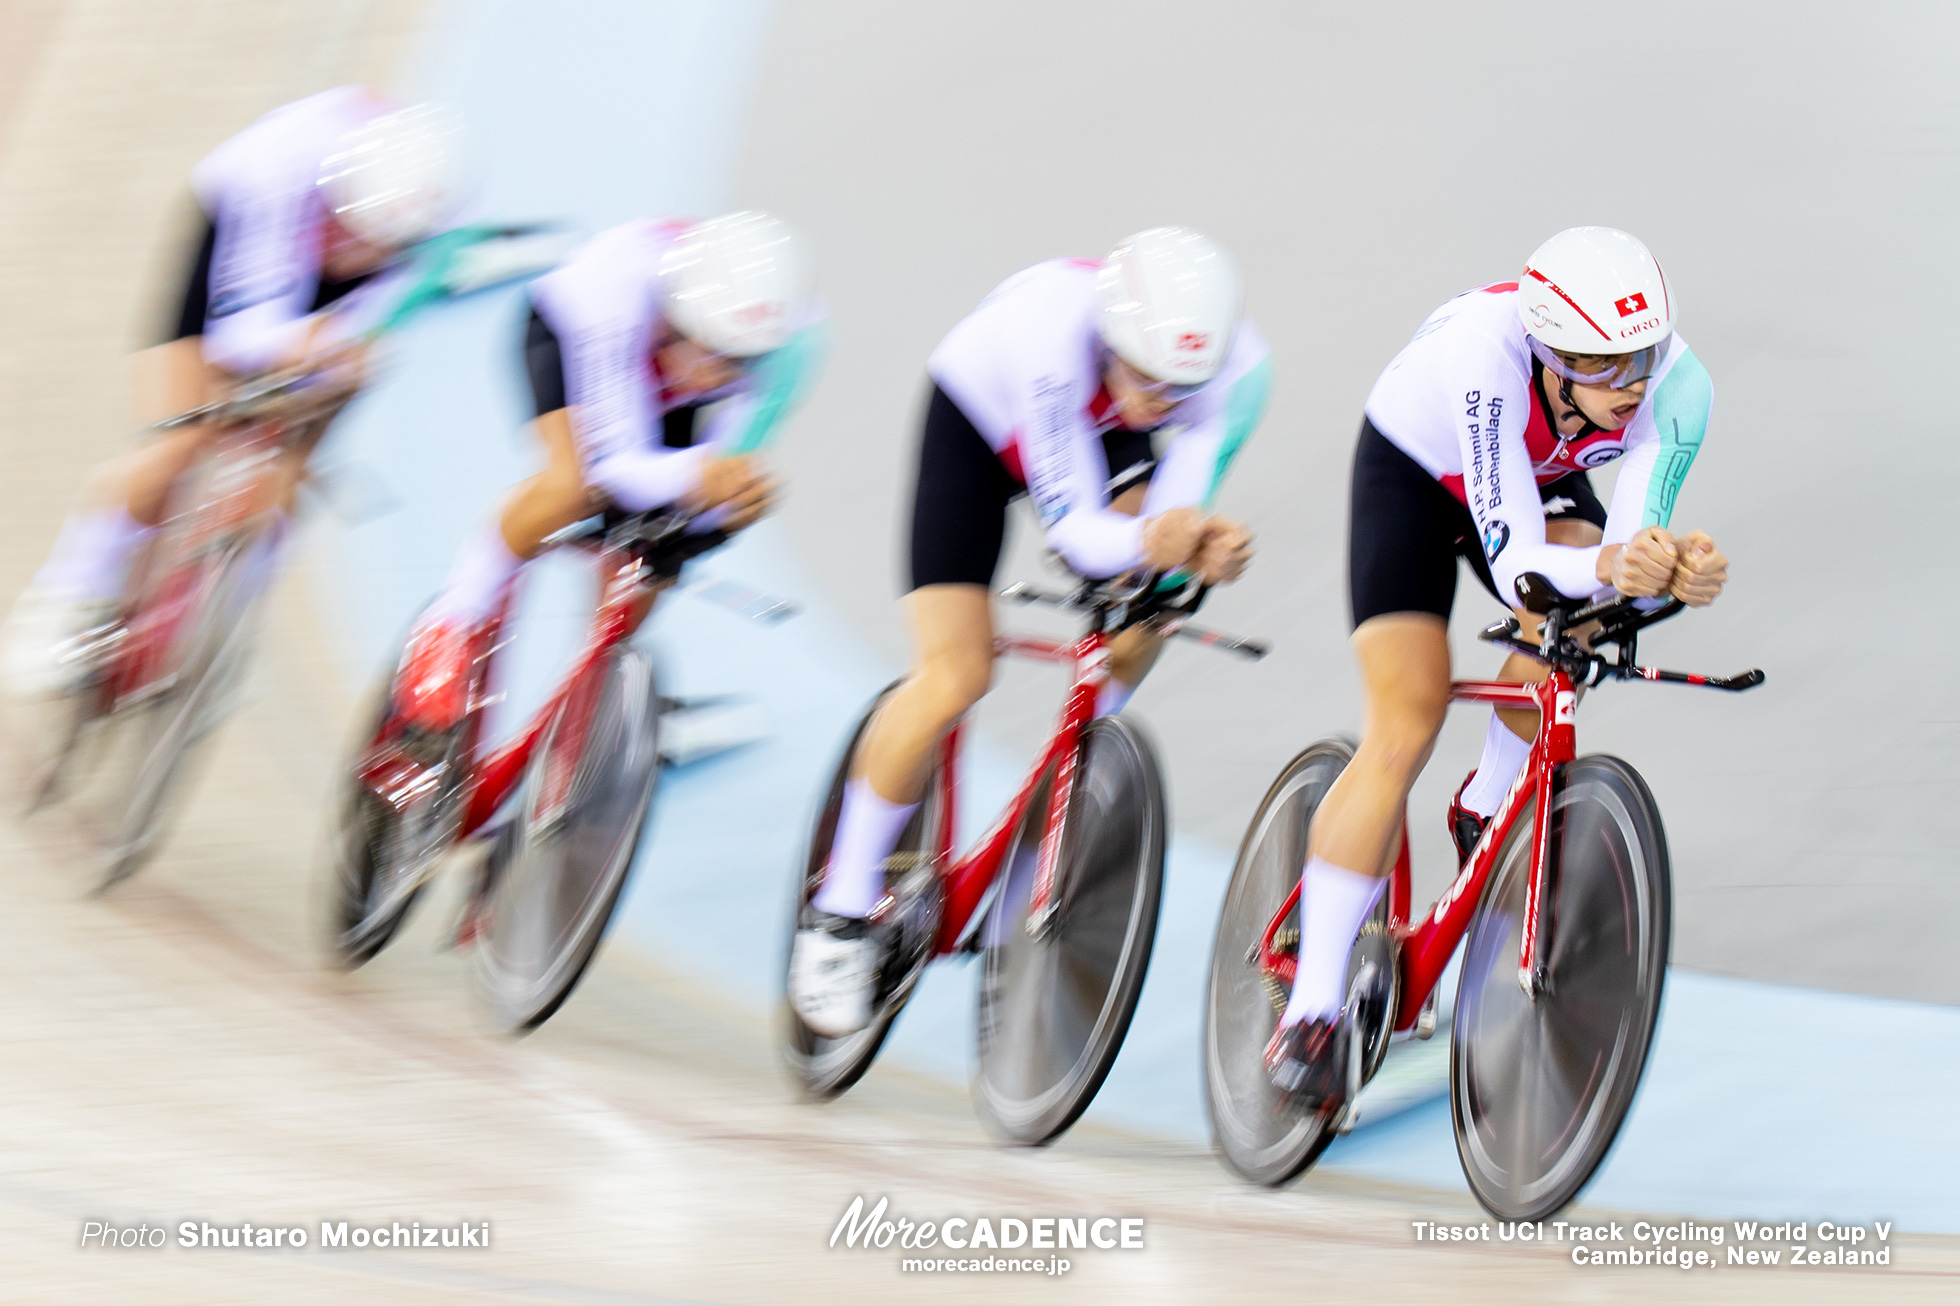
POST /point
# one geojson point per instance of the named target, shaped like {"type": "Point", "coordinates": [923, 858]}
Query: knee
{"type": "Point", "coordinates": [554, 499]}
{"type": "Point", "coordinates": [1130, 659]}
{"type": "Point", "coordinates": [1400, 735]}
{"type": "Point", "coordinates": [950, 683]}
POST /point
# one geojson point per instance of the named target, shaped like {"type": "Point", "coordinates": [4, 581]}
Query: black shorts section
{"type": "Point", "coordinates": [1405, 531]}
{"type": "Point", "coordinates": [677, 427]}
{"type": "Point", "coordinates": [1132, 458]}
{"type": "Point", "coordinates": [959, 508]}
{"type": "Point", "coordinates": [544, 364]}
{"type": "Point", "coordinates": [195, 301]}
{"type": "Point", "coordinates": [194, 304]}
{"type": "Point", "coordinates": [330, 292]}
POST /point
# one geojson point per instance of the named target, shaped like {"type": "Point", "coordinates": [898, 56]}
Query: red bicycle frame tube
{"type": "Point", "coordinates": [966, 880]}
{"type": "Point", "coordinates": [617, 616]}
{"type": "Point", "coordinates": [1428, 945]}
{"type": "Point", "coordinates": [232, 491]}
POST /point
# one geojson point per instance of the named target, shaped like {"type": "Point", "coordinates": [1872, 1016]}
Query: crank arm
{"type": "Point", "coordinates": [1364, 981]}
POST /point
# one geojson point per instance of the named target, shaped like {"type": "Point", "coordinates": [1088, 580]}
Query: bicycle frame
{"type": "Point", "coordinates": [1426, 947]}
{"type": "Point", "coordinates": [624, 602]}
{"type": "Point", "coordinates": [232, 503]}
{"type": "Point", "coordinates": [967, 879]}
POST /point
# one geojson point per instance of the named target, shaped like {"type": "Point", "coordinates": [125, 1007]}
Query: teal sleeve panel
{"type": "Point", "coordinates": [783, 377]}
{"type": "Point", "coordinates": [433, 263]}
{"type": "Point", "coordinates": [1243, 409]}
{"type": "Point", "coordinates": [1681, 406]}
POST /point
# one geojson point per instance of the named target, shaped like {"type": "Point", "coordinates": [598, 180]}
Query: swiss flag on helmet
{"type": "Point", "coordinates": [1193, 341]}
{"type": "Point", "coordinates": [1634, 303]}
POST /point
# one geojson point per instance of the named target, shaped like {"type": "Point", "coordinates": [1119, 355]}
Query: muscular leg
{"type": "Point", "coordinates": [1405, 677]}
{"type": "Point", "coordinates": [128, 495]}
{"type": "Point", "coordinates": [953, 666]}
{"type": "Point", "coordinates": [1405, 685]}
{"type": "Point", "coordinates": [545, 503]}
{"type": "Point", "coordinates": [554, 498]}
{"type": "Point", "coordinates": [953, 638]}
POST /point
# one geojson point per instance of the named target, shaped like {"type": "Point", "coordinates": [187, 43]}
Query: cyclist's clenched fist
{"type": "Point", "coordinates": [1700, 570]}
{"type": "Point", "coordinates": [740, 486]}
{"type": "Point", "coordinates": [1644, 566]}
{"type": "Point", "coordinates": [1172, 538]}
{"type": "Point", "coordinates": [1226, 550]}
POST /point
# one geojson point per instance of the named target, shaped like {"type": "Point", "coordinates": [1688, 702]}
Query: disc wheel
{"type": "Point", "coordinates": [555, 876]}
{"type": "Point", "coordinates": [822, 1067]}
{"type": "Point", "coordinates": [1540, 1086]}
{"type": "Point", "coordinates": [145, 747]}
{"type": "Point", "coordinates": [1056, 1003]}
{"type": "Point", "coordinates": [1259, 1131]}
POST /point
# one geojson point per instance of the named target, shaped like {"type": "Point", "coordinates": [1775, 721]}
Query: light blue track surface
{"type": "Point", "coordinates": [1759, 1101]}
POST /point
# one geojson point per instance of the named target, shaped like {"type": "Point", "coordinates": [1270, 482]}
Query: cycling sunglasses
{"type": "Point", "coordinates": [1169, 392]}
{"type": "Point", "coordinates": [1614, 371]}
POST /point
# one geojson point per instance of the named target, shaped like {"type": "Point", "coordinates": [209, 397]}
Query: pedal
{"type": "Point", "coordinates": [1426, 1018]}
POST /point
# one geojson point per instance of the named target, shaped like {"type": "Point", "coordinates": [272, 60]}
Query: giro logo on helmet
{"type": "Point", "coordinates": [1634, 303]}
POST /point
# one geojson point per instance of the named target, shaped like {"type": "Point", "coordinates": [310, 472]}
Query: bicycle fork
{"type": "Point", "coordinates": [1558, 705]}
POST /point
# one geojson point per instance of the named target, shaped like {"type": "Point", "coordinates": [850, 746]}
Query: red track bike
{"type": "Point", "coordinates": [582, 772]}
{"type": "Point", "coordinates": [1070, 876]}
{"type": "Point", "coordinates": [1566, 905]}
{"type": "Point", "coordinates": [163, 673]}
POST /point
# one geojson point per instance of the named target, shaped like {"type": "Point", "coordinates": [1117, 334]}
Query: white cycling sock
{"type": "Point", "coordinates": [91, 554]}
{"type": "Point", "coordinates": [867, 831]}
{"type": "Point", "coordinates": [475, 580]}
{"type": "Point", "coordinates": [1112, 697]}
{"type": "Point", "coordinates": [1504, 756]}
{"type": "Point", "coordinates": [1334, 902]}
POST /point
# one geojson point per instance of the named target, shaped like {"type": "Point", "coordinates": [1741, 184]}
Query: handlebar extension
{"type": "Point", "coordinates": [1143, 602]}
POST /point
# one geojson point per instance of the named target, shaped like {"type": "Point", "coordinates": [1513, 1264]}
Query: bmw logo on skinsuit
{"type": "Point", "coordinates": [1496, 536]}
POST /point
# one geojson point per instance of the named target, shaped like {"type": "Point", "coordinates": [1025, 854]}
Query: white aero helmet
{"type": "Point", "coordinates": [1170, 303]}
{"type": "Point", "coordinates": [737, 284]}
{"type": "Point", "coordinates": [390, 182]}
{"type": "Point", "coordinates": [1595, 307]}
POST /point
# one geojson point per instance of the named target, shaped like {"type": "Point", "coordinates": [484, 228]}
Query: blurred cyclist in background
{"type": "Point", "coordinates": [655, 352]}
{"type": "Point", "coordinates": [1476, 443]}
{"type": "Point", "coordinates": [305, 212]}
{"type": "Point", "coordinates": [1115, 395]}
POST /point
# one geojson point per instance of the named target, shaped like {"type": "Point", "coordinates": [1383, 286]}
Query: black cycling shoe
{"type": "Point", "coordinates": [1466, 826]}
{"type": "Point", "coordinates": [1308, 1061]}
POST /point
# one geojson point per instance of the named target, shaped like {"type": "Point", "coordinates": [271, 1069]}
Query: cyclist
{"type": "Point", "coordinates": [1572, 366]}
{"type": "Point", "coordinates": [629, 340]}
{"type": "Point", "coordinates": [303, 213]}
{"type": "Point", "coordinates": [1114, 393]}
